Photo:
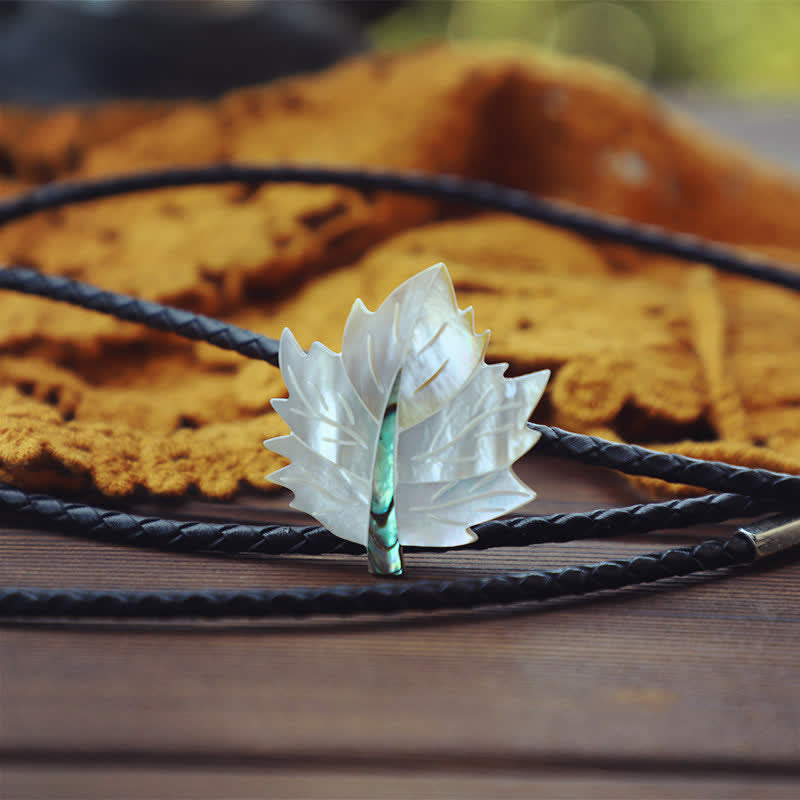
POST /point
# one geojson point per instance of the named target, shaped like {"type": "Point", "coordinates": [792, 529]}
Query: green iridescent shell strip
{"type": "Point", "coordinates": [384, 552]}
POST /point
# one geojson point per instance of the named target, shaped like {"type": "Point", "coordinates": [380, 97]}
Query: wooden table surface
{"type": "Point", "coordinates": [682, 689]}
{"type": "Point", "coordinates": [688, 689]}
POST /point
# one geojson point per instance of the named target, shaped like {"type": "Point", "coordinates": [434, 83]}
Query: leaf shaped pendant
{"type": "Point", "coordinates": [407, 437]}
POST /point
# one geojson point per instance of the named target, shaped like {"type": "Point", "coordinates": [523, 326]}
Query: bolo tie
{"type": "Point", "coordinates": [404, 440]}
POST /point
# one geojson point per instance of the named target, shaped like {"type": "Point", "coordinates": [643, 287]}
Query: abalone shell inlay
{"type": "Point", "coordinates": [383, 547]}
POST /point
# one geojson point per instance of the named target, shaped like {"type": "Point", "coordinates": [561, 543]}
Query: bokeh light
{"type": "Point", "coordinates": [742, 46]}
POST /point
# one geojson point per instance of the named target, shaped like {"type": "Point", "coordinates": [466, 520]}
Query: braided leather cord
{"type": "Point", "coordinates": [381, 597]}
{"type": "Point", "coordinates": [672, 467]}
{"type": "Point", "coordinates": [120, 527]}
{"type": "Point", "coordinates": [419, 595]}
{"type": "Point", "coordinates": [443, 187]}
{"type": "Point", "coordinates": [154, 315]}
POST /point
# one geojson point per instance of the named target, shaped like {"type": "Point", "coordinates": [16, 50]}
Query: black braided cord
{"type": "Point", "coordinates": [671, 467]}
{"type": "Point", "coordinates": [121, 527]}
{"type": "Point", "coordinates": [748, 492]}
{"type": "Point", "coordinates": [132, 309]}
{"type": "Point", "coordinates": [380, 597]}
{"type": "Point", "coordinates": [443, 187]}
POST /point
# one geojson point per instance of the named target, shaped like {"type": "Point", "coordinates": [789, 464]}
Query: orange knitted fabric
{"type": "Point", "coordinates": [643, 348]}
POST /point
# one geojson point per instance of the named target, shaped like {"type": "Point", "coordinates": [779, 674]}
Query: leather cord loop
{"type": "Point", "coordinates": [745, 491]}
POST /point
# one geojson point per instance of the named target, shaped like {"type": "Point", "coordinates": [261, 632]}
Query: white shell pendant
{"type": "Point", "coordinates": [407, 437]}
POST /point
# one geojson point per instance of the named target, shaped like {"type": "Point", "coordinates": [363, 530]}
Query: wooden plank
{"type": "Point", "coordinates": [330, 783]}
{"type": "Point", "coordinates": [695, 671]}
{"type": "Point", "coordinates": [682, 690]}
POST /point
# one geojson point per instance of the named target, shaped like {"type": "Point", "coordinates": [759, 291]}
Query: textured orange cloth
{"type": "Point", "coordinates": [643, 348]}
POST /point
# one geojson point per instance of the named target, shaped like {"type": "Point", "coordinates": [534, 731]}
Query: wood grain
{"type": "Point", "coordinates": [178, 783]}
{"type": "Point", "coordinates": [685, 689]}
{"type": "Point", "coordinates": [688, 677]}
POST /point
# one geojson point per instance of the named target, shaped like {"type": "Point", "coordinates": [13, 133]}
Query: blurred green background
{"type": "Point", "coordinates": [745, 47]}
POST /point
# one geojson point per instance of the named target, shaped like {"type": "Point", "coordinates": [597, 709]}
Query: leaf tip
{"type": "Point", "coordinates": [358, 305]}
{"type": "Point", "coordinates": [289, 349]}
